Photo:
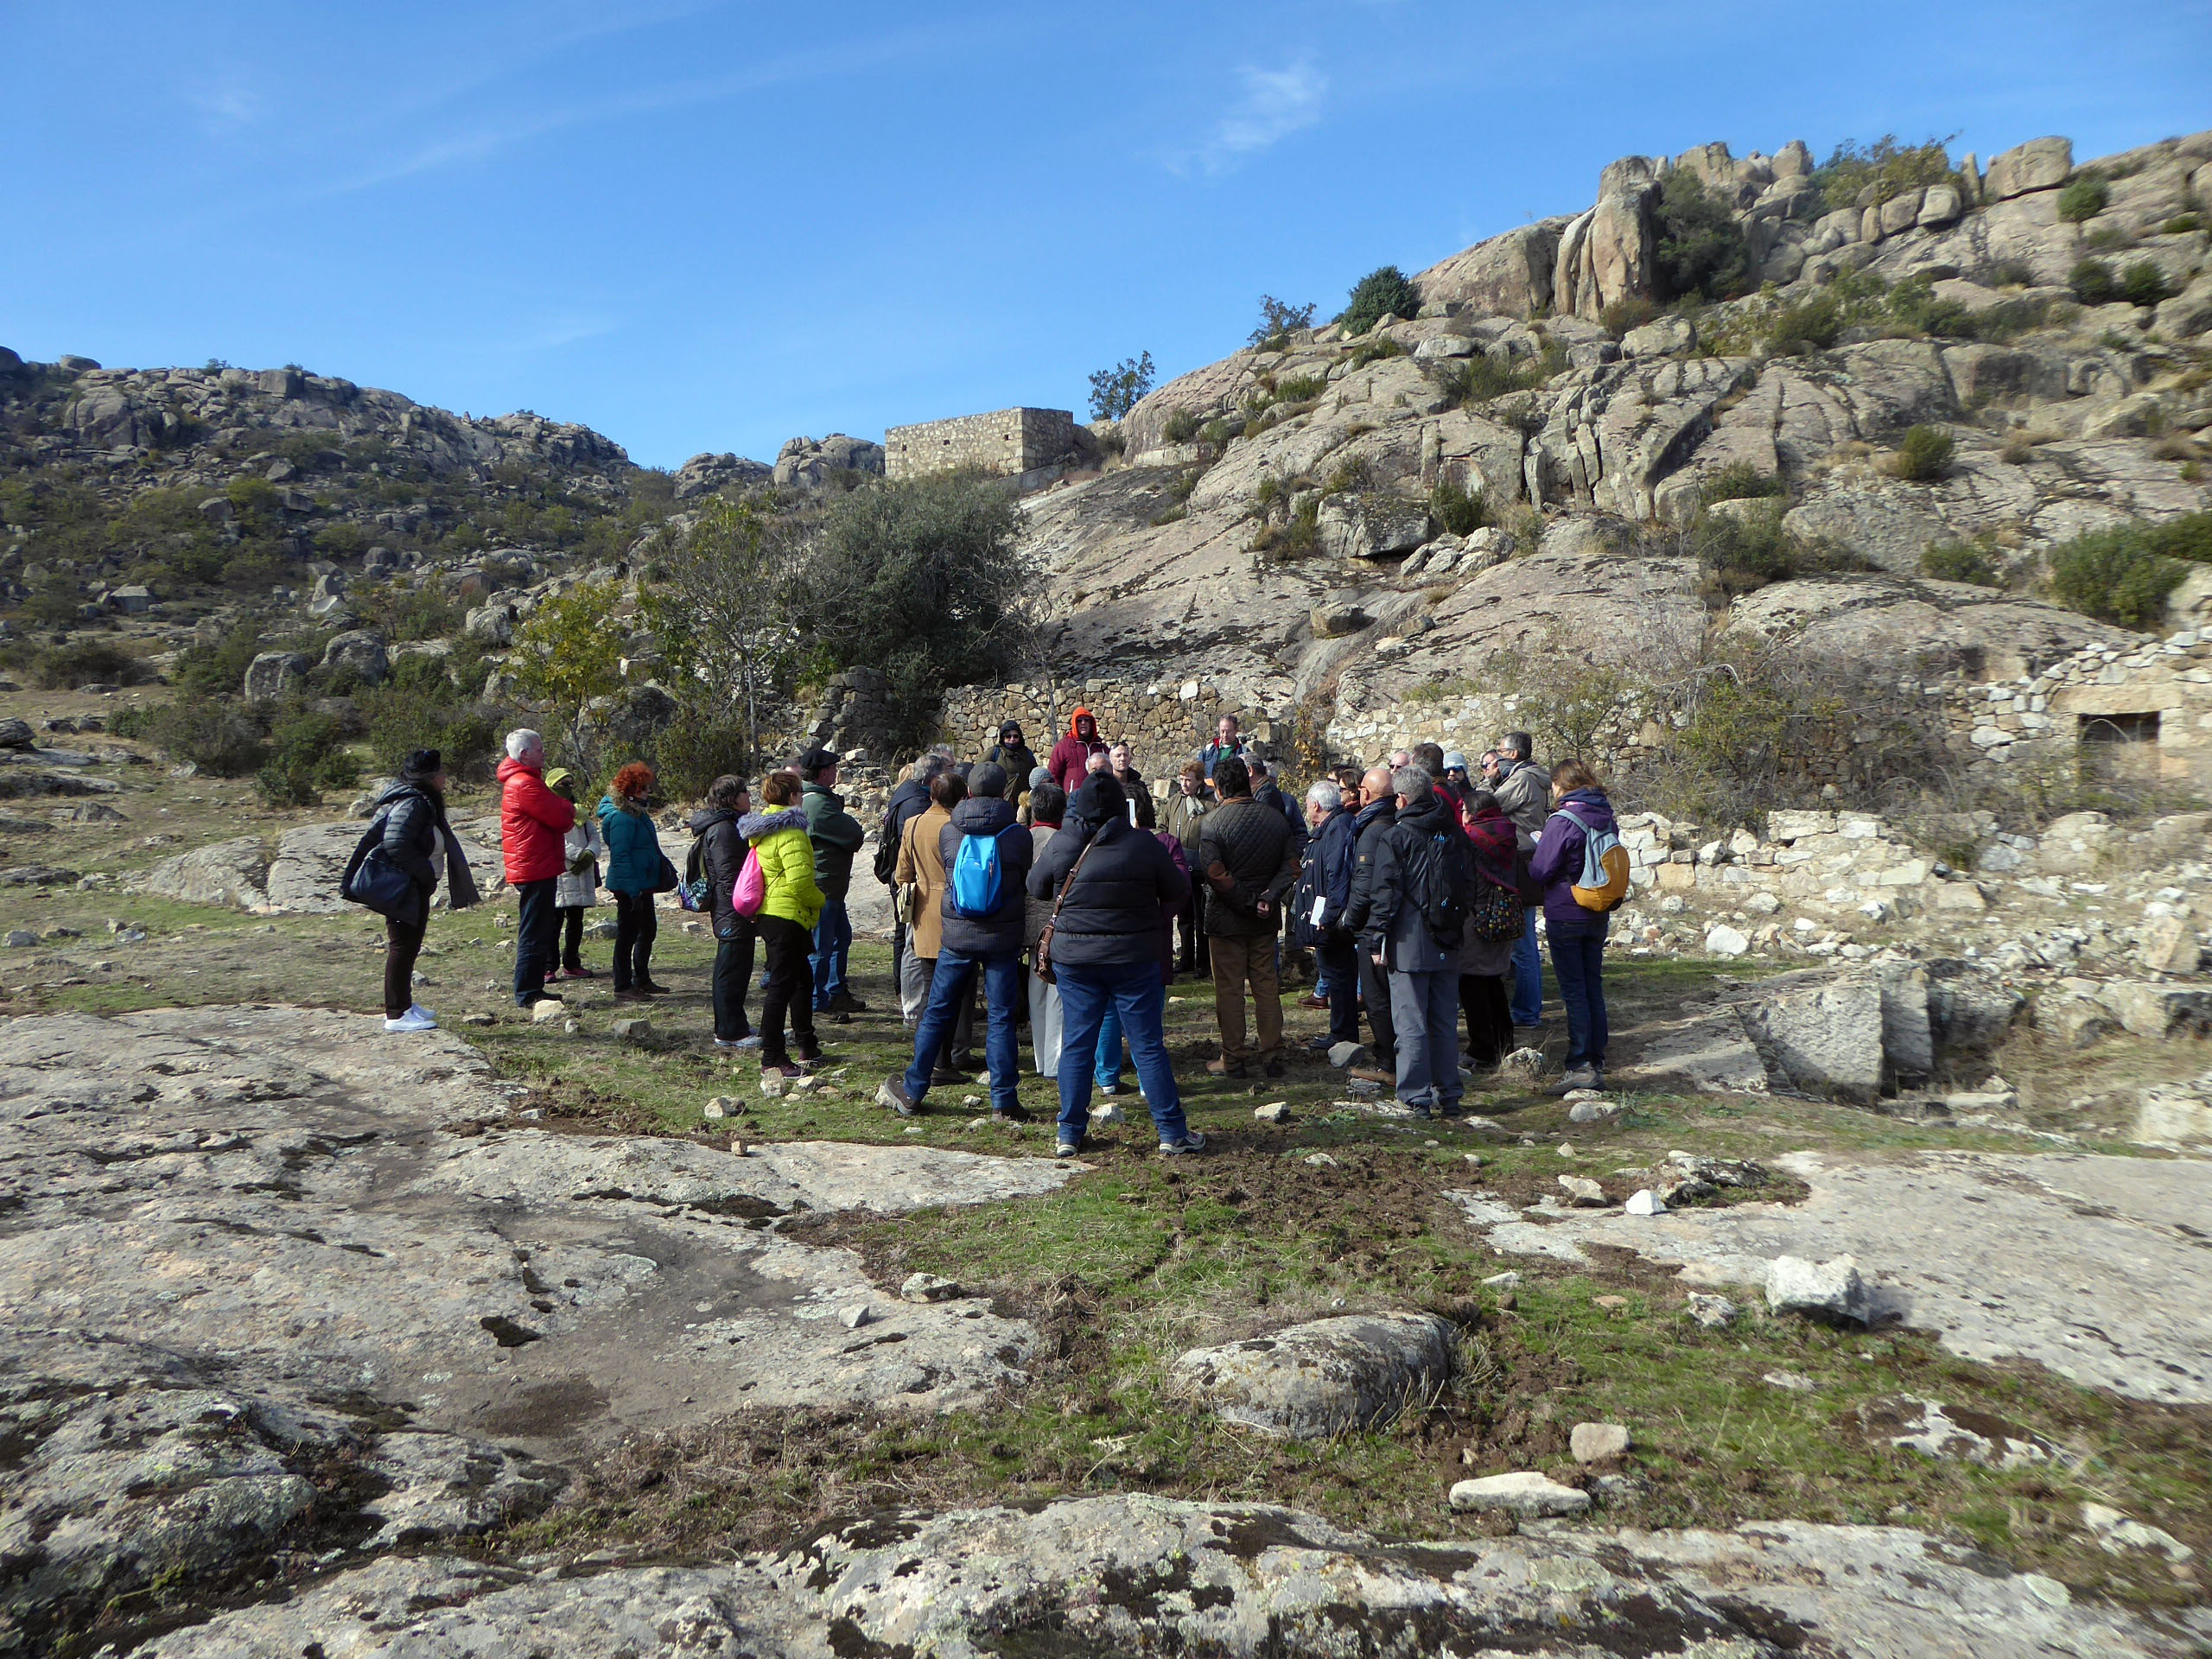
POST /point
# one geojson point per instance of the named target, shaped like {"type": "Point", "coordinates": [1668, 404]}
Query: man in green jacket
{"type": "Point", "coordinates": [836, 835]}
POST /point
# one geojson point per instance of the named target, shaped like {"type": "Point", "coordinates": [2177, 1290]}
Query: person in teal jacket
{"type": "Point", "coordinates": [633, 874]}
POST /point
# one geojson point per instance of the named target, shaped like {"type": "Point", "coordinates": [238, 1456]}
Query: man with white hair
{"type": "Point", "coordinates": [534, 824]}
{"type": "Point", "coordinates": [1324, 892]}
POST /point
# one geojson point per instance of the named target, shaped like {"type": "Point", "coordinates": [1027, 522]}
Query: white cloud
{"type": "Point", "coordinates": [232, 105]}
{"type": "Point", "coordinates": [1271, 106]}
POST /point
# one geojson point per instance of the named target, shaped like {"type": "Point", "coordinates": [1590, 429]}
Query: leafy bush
{"type": "Point", "coordinates": [925, 579]}
{"type": "Point", "coordinates": [1702, 251]}
{"type": "Point", "coordinates": [2183, 225]}
{"type": "Point", "coordinates": [2115, 576]}
{"type": "Point", "coordinates": [1890, 167]}
{"type": "Point", "coordinates": [1300, 388]}
{"type": "Point", "coordinates": [2083, 198]}
{"type": "Point", "coordinates": [89, 661]}
{"type": "Point", "coordinates": [1115, 391]}
{"type": "Point", "coordinates": [1811, 325]}
{"type": "Point", "coordinates": [2187, 538]}
{"type": "Point", "coordinates": [1277, 319]}
{"type": "Point", "coordinates": [1960, 562]}
{"type": "Point", "coordinates": [218, 670]}
{"type": "Point", "coordinates": [1741, 552]}
{"type": "Point", "coordinates": [1478, 379]}
{"type": "Point", "coordinates": [1375, 349]}
{"type": "Point", "coordinates": [429, 702]}
{"type": "Point", "coordinates": [1631, 311]}
{"type": "Point", "coordinates": [2142, 283]}
{"type": "Point", "coordinates": [701, 744]}
{"type": "Point", "coordinates": [308, 755]}
{"type": "Point", "coordinates": [217, 734]}
{"type": "Point", "coordinates": [2092, 283]}
{"type": "Point", "coordinates": [1924, 456]}
{"type": "Point", "coordinates": [1384, 291]}
{"type": "Point", "coordinates": [1455, 508]}
{"type": "Point", "coordinates": [1740, 481]}
{"type": "Point", "coordinates": [1180, 427]}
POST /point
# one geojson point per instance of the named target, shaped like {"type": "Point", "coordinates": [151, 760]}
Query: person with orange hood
{"type": "Point", "coordinates": [1070, 760]}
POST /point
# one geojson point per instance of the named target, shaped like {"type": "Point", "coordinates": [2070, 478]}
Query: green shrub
{"type": "Point", "coordinates": [1960, 562]}
{"type": "Point", "coordinates": [1742, 552]}
{"type": "Point", "coordinates": [1914, 304]}
{"type": "Point", "coordinates": [1739, 481]}
{"type": "Point", "coordinates": [1892, 167]}
{"type": "Point", "coordinates": [2142, 283]}
{"type": "Point", "coordinates": [701, 744]}
{"type": "Point", "coordinates": [1277, 319]}
{"type": "Point", "coordinates": [1478, 379]}
{"type": "Point", "coordinates": [2115, 576]}
{"type": "Point", "coordinates": [1702, 251]}
{"type": "Point", "coordinates": [1454, 508]}
{"type": "Point", "coordinates": [1383, 292]}
{"type": "Point", "coordinates": [1811, 325]}
{"type": "Point", "coordinates": [1115, 391]}
{"type": "Point", "coordinates": [218, 670]}
{"type": "Point", "coordinates": [1632, 311]}
{"type": "Point", "coordinates": [2092, 283]}
{"type": "Point", "coordinates": [1180, 427]}
{"type": "Point", "coordinates": [1375, 349]}
{"type": "Point", "coordinates": [306, 755]}
{"type": "Point", "coordinates": [217, 734]}
{"type": "Point", "coordinates": [1300, 388]}
{"type": "Point", "coordinates": [1214, 432]}
{"type": "Point", "coordinates": [89, 661]}
{"type": "Point", "coordinates": [2083, 198]}
{"type": "Point", "coordinates": [2183, 225]}
{"type": "Point", "coordinates": [1924, 456]}
{"type": "Point", "coordinates": [2188, 537]}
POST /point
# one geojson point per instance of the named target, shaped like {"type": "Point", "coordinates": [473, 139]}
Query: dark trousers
{"type": "Point", "coordinates": [1375, 986]}
{"type": "Point", "coordinates": [1193, 957]}
{"type": "Point", "coordinates": [1578, 962]}
{"type": "Point", "coordinates": [1339, 955]}
{"type": "Point", "coordinates": [572, 938]}
{"type": "Point", "coordinates": [635, 928]}
{"type": "Point", "coordinates": [790, 989]}
{"type": "Point", "coordinates": [403, 943]}
{"type": "Point", "coordinates": [1490, 1019]}
{"type": "Point", "coordinates": [733, 969]}
{"type": "Point", "coordinates": [537, 935]}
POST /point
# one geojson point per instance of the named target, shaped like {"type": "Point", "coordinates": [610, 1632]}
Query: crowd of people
{"type": "Point", "coordinates": [1071, 900]}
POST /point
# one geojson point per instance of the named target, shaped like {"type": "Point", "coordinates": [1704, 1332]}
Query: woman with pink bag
{"type": "Point", "coordinates": [780, 871]}
{"type": "Point", "coordinates": [722, 857]}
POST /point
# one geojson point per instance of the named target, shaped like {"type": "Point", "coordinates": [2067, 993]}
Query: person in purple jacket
{"type": "Point", "coordinates": [1577, 934]}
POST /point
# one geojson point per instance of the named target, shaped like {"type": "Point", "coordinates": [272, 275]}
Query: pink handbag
{"type": "Point", "coordinates": [752, 889]}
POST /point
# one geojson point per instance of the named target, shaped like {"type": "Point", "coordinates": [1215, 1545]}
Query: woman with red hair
{"type": "Point", "coordinates": [633, 874]}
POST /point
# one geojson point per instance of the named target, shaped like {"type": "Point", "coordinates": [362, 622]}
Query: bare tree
{"type": "Point", "coordinates": [719, 602]}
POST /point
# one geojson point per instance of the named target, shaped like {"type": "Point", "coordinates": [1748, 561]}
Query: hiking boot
{"type": "Point", "coordinates": [833, 1017]}
{"type": "Point", "coordinates": [966, 1062]}
{"type": "Point", "coordinates": [1224, 1068]}
{"type": "Point", "coordinates": [786, 1069]}
{"type": "Point", "coordinates": [945, 1077]}
{"type": "Point", "coordinates": [1580, 1077]}
{"type": "Point", "coordinates": [1272, 1069]}
{"type": "Point", "coordinates": [1011, 1114]}
{"type": "Point", "coordinates": [1066, 1148]}
{"type": "Point", "coordinates": [1192, 1142]}
{"type": "Point", "coordinates": [846, 1003]}
{"type": "Point", "coordinates": [892, 1092]}
{"type": "Point", "coordinates": [1319, 1003]}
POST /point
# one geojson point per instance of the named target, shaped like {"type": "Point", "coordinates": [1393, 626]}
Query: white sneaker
{"type": "Point", "coordinates": [415, 1010]}
{"type": "Point", "coordinates": [413, 1019]}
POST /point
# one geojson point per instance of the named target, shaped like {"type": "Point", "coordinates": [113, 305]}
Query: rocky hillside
{"type": "Point", "coordinates": [1680, 412]}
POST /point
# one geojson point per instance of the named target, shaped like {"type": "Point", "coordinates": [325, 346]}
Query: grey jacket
{"type": "Point", "coordinates": [1524, 794]}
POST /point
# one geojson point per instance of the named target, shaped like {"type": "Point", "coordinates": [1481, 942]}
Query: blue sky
{"type": "Point", "coordinates": [711, 226]}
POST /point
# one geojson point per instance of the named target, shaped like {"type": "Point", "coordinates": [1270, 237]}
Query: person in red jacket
{"type": "Point", "coordinates": [1070, 760]}
{"type": "Point", "coordinates": [534, 823]}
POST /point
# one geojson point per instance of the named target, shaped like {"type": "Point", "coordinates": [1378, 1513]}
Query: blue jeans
{"type": "Point", "coordinates": [1528, 974]}
{"type": "Point", "coordinates": [833, 950]}
{"type": "Point", "coordinates": [949, 989]}
{"type": "Point", "coordinates": [1106, 1072]}
{"type": "Point", "coordinates": [1134, 992]}
{"type": "Point", "coordinates": [1578, 959]}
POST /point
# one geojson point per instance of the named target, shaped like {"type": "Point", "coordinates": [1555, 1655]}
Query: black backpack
{"type": "Point", "coordinates": [886, 846]}
{"type": "Point", "coordinates": [1440, 883]}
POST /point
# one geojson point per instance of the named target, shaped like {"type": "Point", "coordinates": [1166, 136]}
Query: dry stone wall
{"type": "Point", "coordinates": [1007, 442]}
{"type": "Point", "coordinates": [2150, 705]}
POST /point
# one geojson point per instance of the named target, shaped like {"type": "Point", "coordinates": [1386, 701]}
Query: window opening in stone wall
{"type": "Point", "coordinates": [2122, 746]}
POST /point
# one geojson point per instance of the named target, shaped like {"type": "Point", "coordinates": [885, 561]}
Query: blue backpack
{"type": "Point", "coordinates": [975, 878]}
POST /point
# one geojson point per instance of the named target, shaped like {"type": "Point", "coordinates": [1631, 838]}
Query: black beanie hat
{"type": "Point", "coordinates": [421, 765]}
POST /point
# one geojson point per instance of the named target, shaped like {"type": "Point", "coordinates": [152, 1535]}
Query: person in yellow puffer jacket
{"type": "Point", "coordinates": [786, 924]}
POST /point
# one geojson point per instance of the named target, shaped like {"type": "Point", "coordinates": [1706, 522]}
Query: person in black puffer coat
{"type": "Point", "coordinates": [1110, 880]}
{"type": "Point", "coordinates": [722, 855]}
{"type": "Point", "coordinates": [418, 840]}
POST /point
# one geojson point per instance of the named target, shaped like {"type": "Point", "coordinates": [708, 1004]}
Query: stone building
{"type": "Point", "coordinates": [1009, 443]}
{"type": "Point", "coordinates": [2143, 711]}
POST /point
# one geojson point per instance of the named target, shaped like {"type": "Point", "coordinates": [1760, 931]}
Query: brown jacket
{"type": "Point", "coordinates": [920, 862]}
